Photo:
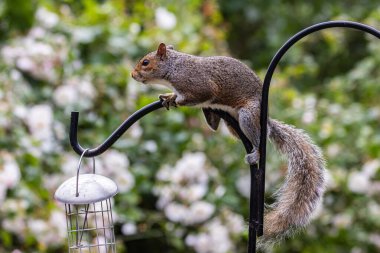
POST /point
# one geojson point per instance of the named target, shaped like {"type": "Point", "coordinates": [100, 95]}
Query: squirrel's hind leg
{"type": "Point", "coordinates": [249, 122]}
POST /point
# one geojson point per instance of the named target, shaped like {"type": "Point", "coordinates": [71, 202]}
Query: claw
{"type": "Point", "coordinates": [252, 158]}
{"type": "Point", "coordinates": [168, 100]}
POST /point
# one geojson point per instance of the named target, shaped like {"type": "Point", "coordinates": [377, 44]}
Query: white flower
{"type": "Point", "coordinates": [52, 181]}
{"type": "Point", "coordinates": [129, 228]}
{"type": "Point", "coordinates": [220, 191]}
{"type": "Point", "coordinates": [375, 240]}
{"type": "Point", "coordinates": [25, 63]}
{"type": "Point", "coordinates": [46, 18]}
{"type": "Point", "coordinates": [3, 193]}
{"type": "Point", "coordinates": [164, 174]}
{"type": "Point", "coordinates": [374, 188]}
{"type": "Point", "coordinates": [39, 121]}
{"type": "Point", "coordinates": [219, 236]}
{"type": "Point", "coordinates": [37, 226]}
{"type": "Point", "coordinates": [175, 212]}
{"type": "Point", "coordinates": [9, 53]}
{"type": "Point", "coordinates": [358, 182]}
{"type": "Point", "coordinates": [20, 111]}
{"type": "Point", "coordinates": [39, 59]}
{"type": "Point", "coordinates": [333, 150]}
{"type": "Point", "coordinates": [309, 114]}
{"type": "Point", "coordinates": [60, 130]}
{"type": "Point", "coordinates": [16, 75]}
{"type": "Point", "coordinates": [28, 144]}
{"type": "Point", "coordinates": [102, 241]}
{"type": "Point", "coordinates": [85, 34]}
{"type": "Point", "coordinates": [326, 129]}
{"type": "Point", "coordinates": [165, 19]}
{"type": "Point", "coordinates": [41, 230]}
{"type": "Point", "coordinates": [9, 171]}
{"type": "Point", "coordinates": [201, 242]}
{"type": "Point", "coordinates": [193, 192]}
{"type": "Point", "coordinates": [335, 109]}
{"type": "Point", "coordinates": [188, 183]}
{"type": "Point", "coordinates": [37, 32]}
{"type": "Point", "coordinates": [374, 209]}
{"type": "Point", "coordinates": [308, 117]}
{"type": "Point", "coordinates": [342, 220]}
{"type": "Point", "coordinates": [65, 95]}
{"type": "Point", "coordinates": [199, 211]}
{"type": "Point", "coordinates": [57, 221]}
{"type": "Point", "coordinates": [75, 91]}
{"type": "Point", "coordinates": [51, 232]}
{"type": "Point", "coordinates": [192, 168]}
{"type": "Point", "coordinates": [234, 223]}
{"type": "Point", "coordinates": [69, 164]}
{"type": "Point", "coordinates": [41, 49]}
{"type": "Point", "coordinates": [134, 28]}
{"type": "Point", "coordinates": [125, 181]}
{"type": "Point", "coordinates": [370, 168]}
{"type": "Point", "coordinates": [15, 205]}
{"type": "Point", "coordinates": [331, 182]}
{"type": "Point", "coordinates": [115, 161]}
{"type": "Point", "coordinates": [166, 194]}
{"type": "Point", "coordinates": [15, 225]}
{"type": "Point", "coordinates": [214, 240]}
{"type": "Point", "coordinates": [243, 185]}
{"type": "Point", "coordinates": [150, 146]}
{"type": "Point", "coordinates": [135, 131]}
{"type": "Point", "coordinates": [86, 88]}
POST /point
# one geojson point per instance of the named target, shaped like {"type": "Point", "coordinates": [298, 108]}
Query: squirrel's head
{"type": "Point", "coordinates": [152, 66]}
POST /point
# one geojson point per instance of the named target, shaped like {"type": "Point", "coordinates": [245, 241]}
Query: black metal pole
{"type": "Point", "coordinates": [264, 100]}
{"type": "Point", "coordinates": [254, 208]}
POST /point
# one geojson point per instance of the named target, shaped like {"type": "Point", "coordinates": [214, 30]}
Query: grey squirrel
{"type": "Point", "coordinates": [224, 83]}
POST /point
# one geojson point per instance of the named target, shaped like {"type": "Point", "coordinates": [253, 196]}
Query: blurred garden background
{"type": "Point", "coordinates": [182, 187]}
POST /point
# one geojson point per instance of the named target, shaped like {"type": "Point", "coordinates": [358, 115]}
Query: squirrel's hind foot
{"type": "Point", "coordinates": [168, 99]}
{"type": "Point", "coordinates": [252, 158]}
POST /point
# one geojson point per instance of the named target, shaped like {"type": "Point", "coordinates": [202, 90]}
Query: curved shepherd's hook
{"type": "Point", "coordinates": [130, 121]}
{"type": "Point", "coordinates": [257, 173]}
{"type": "Point", "coordinates": [264, 99]}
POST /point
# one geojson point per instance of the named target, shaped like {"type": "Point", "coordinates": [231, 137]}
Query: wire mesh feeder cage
{"type": "Point", "coordinates": [87, 199]}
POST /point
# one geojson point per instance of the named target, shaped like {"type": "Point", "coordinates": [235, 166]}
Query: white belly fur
{"type": "Point", "coordinates": [232, 111]}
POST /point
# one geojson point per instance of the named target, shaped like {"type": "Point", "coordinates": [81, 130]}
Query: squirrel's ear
{"type": "Point", "coordinates": [161, 51]}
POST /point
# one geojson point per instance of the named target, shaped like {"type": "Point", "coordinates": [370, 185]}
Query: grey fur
{"type": "Point", "coordinates": [227, 84]}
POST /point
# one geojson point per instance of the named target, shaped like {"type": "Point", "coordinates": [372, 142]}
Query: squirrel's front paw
{"type": "Point", "coordinates": [252, 158]}
{"type": "Point", "coordinates": [168, 99]}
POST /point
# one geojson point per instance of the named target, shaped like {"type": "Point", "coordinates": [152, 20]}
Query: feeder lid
{"type": "Point", "coordinates": [91, 187]}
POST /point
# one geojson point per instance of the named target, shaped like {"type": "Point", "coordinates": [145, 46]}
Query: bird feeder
{"type": "Point", "coordinates": [87, 199]}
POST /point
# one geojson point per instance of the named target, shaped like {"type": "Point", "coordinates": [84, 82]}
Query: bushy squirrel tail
{"type": "Point", "coordinates": [304, 184]}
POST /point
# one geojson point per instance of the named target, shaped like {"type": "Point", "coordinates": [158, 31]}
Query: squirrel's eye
{"type": "Point", "coordinates": [145, 62]}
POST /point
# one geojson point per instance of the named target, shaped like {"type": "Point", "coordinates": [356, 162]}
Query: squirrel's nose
{"type": "Point", "coordinates": [134, 74]}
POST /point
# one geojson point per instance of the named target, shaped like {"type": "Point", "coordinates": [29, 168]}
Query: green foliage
{"type": "Point", "coordinates": [60, 56]}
